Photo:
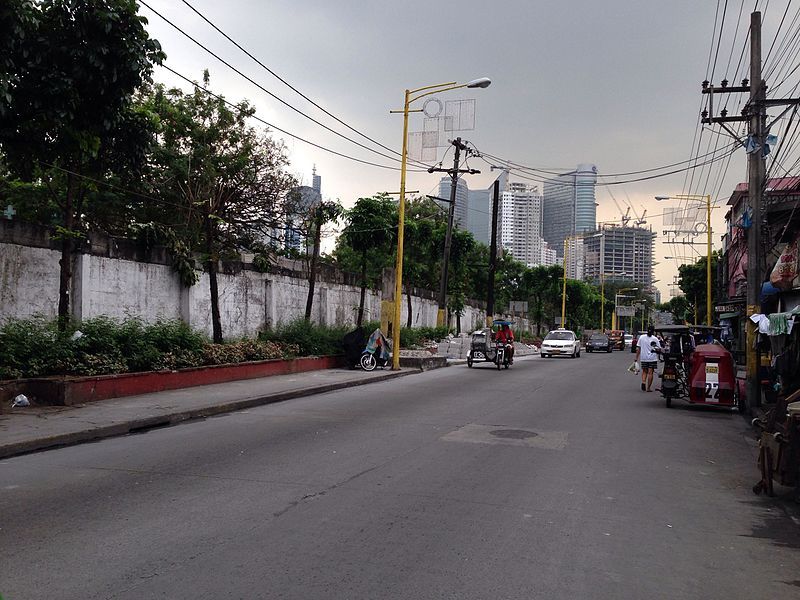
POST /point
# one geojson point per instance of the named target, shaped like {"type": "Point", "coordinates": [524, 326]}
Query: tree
{"type": "Point", "coordinates": [66, 116]}
{"type": "Point", "coordinates": [227, 180]}
{"type": "Point", "coordinates": [542, 288]}
{"type": "Point", "coordinates": [367, 241]}
{"type": "Point", "coordinates": [693, 280]}
{"type": "Point", "coordinates": [324, 212]}
{"type": "Point", "coordinates": [680, 308]}
{"type": "Point", "coordinates": [423, 241]}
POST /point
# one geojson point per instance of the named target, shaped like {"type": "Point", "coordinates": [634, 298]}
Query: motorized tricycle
{"type": "Point", "coordinates": [702, 373]}
{"type": "Point", "coordinates": [484, 348]}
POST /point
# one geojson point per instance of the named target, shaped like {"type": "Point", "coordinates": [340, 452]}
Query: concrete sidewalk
{"type": "Point", "coordinates": [38, 428]}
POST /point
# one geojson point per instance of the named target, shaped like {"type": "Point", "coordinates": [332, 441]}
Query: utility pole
{"type": "Point", "coordinates": [756, 168]}
{"type": "Point", "coordinates": [454, 174]}
{"type": "Point", "coordinates": [492, 254]}
{"type": "Point", "coordinates": [755, 115]}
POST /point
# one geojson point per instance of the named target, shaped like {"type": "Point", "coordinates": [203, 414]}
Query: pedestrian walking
{"type": "Point", "coordinates": [648, 347]}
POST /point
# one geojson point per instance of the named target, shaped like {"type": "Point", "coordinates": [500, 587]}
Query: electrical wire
{"type": "Point", "coordinates": [284, 131]}
{"type": "Point", "coordinates": [265, 90]}
{"type": "Point", "coordinates": [286, 83]}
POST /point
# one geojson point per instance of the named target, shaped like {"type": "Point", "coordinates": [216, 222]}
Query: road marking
{"type": "Point", "coordinates": [506, 435]}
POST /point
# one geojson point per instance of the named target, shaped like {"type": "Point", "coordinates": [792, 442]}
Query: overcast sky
{"type": "Point", "coordinates": [615, 83]}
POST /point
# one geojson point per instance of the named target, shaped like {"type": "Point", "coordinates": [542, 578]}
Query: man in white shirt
{"type": "Point", "coordinates": [647, 350]}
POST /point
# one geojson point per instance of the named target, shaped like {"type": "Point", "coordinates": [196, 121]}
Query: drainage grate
{"type": "Point", "coordinates": [513, 434]}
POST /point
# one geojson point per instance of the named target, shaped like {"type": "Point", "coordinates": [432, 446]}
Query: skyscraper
{"type": "Point", "coordinates": [460, 216]}
{"type": "Point", "coordinates": [624, 253]}
{"type": "Point", "coordinates": [521, 222]}
{"type": "Point", "coordinates": [569, 205]}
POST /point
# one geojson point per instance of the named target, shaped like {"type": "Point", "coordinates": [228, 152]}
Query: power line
{"type": "Point", "coordinates": [283, 131]}
{"type": "Point", "coordinates": [265, 90]}
{"type": "Point", "coordinates": [286, 83]}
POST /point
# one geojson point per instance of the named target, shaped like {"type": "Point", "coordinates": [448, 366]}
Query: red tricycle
{"type": "Point", "coordinates": [703, 373]}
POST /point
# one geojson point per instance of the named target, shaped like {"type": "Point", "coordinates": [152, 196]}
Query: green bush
{"type": "Point", "coordinates": [307, 338]}
{"type": "Point", "coordinates": [35, 348]}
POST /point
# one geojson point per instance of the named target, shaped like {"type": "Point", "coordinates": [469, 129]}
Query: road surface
{"type": "Point", "coordinates": [556, 479]}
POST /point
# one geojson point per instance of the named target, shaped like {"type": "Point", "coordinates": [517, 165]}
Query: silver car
{"type": "Point", "coordinates": [561, 342]}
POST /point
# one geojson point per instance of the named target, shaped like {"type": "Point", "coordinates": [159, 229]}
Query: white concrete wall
{"type": "Point", "coordinates": [249, 301]}
{"type": "Point", "coordinates": [28, 281]}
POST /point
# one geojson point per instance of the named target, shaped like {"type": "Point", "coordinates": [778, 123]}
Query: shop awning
{"type": "Point", "coordinates": [730, 315]}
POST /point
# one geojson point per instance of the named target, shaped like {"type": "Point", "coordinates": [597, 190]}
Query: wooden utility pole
{"type": "Point", "coordinates": [756, 184]}
{"type": "Point", "coordinates": [454, 173]}
{"type": "Point", "coordinates": [755, 115]}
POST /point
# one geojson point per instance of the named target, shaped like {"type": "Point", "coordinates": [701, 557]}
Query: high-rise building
{"type": "Point", "coordinates": [521, 222]}
{"type": "Point", "coordinates": [576, 258]}
{"type": "Point", "coordinates": [299, 202]}
{"type": "Point", "coordinates": [460, 216]}
{"type": "Point", "coordinates": [569, 205]}
{"type": "Point", "coordinates": [624, 253]}
{"type": "Point", "coordinates": [479, 216]}
{"type": "Point", "coordinates": [549, 255]}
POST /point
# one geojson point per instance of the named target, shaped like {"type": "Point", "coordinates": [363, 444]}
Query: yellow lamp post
{"type": "Point", "coordinates": [707, 199]}
{"type": "Point", "coordinates": [411, 96]}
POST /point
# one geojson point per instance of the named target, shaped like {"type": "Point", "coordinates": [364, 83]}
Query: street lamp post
{"type": "Point", "coordinates": [412, 96]}
{"type": "Point", "coordinates": [707, 199]}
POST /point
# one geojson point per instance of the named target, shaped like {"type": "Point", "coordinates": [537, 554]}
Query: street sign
{"type": "Point", "coordinates": [518, 306]}
{"type": "Point", "coordinates": [626, 311]}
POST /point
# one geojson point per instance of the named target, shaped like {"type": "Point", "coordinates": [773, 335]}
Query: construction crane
{"type": "Point", "coordinates": [624, 216]}
{"type": "Point", "coordinates": [641, 220]}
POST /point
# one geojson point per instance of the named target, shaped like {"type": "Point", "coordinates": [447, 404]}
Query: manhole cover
{"type": "Point", "coordinates": [514, 434]}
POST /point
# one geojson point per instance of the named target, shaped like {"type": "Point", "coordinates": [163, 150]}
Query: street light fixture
{"type": "Point", "coordinates": [707, 199]}
{"type": "Point", "coordinates": [412, 96]}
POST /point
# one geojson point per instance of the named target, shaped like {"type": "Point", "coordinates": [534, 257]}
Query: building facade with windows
{"type": "Point", "coordinates": [618, 252]}
{"type": "Point", "coordinates": [461, 214]}
{"type": "Point", "coordinates": [521, 222]}
{"type": "Point", "coordinates": [569, 205]}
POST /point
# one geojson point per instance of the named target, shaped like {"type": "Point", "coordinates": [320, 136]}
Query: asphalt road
{"type": "Point", "coordinates": [556, 479]}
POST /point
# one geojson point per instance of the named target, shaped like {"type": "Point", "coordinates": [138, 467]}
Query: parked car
{"type": "Point", "coordinates": [600, 342]}
{"type": "Point", "coordinates": [561, 342]}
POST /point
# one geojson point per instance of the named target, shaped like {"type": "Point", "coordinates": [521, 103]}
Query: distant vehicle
{"type": "Point", "coordinates": [628, 340]}
{"type": "Point", "coordinates": [617, 341]}
{"type": "Point", "coordinates": [561, 342]}
{"type": "Point", "coordinates": [599, 342]}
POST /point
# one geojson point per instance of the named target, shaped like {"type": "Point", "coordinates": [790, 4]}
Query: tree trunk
{"type": "Point", "coordinates": [211, 266]}
{"type": "Point", "coordinates": [409, 321]}
{"type": "Point", "coordinates": [65, 274]}
{"type": "Point", "coordinates": [363, 289]}
{"type": "Point", "coordinates": [458, 323]}
{"type": "Point", "coordinates": [312, 268]}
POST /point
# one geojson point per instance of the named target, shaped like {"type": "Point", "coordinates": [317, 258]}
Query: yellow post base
{"type": "Point", "coordinates": [441, 318]}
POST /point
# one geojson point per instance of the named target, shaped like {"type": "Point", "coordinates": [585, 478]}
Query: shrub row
{"type": "Point", "coordinates": [36, 348]}
{"type": "Point", "coordinates": [100, 346]}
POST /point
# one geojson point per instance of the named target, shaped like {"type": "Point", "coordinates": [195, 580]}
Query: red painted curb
{"type": "Point", "coordinates": [65, 391]}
